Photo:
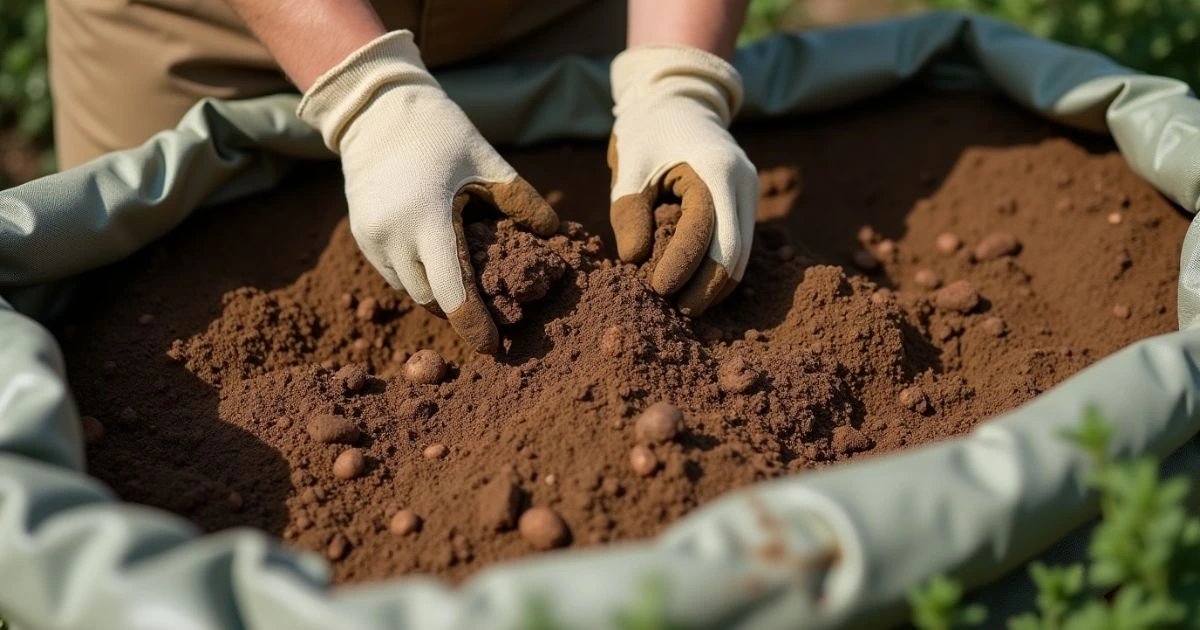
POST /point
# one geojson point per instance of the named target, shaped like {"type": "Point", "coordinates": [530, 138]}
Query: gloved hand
{"type": "Point", "coordinates": [673, 109]}
{"type": "Point", "coordinates": [410, 158]}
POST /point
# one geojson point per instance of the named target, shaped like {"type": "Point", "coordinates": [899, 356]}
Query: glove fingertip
{"type": "Point", "coordinates": [709, 286]}
{"type": "Point", "coordinates": [522, 203]}
{"type": "Point", "coordinates": [632, 221]}
{"type": "Point", "coordinates": [474, 324]}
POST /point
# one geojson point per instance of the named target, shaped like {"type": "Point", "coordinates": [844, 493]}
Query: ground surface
{"type": "Point", "coordinates": [215, 350]}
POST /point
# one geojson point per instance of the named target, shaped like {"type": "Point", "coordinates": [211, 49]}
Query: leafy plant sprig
{"type": "Point", "coordinates": [1143, 570]}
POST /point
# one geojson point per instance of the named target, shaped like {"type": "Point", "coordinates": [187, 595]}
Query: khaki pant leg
{"type": "Point", "coordinates": [122, 70]}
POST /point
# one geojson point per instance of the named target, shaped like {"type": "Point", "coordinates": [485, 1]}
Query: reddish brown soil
{"type": "Point", "coordinates": [207, 357]}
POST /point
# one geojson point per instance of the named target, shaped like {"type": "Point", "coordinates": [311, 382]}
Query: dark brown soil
{"type": "Point", "coordinates": [257, 309]}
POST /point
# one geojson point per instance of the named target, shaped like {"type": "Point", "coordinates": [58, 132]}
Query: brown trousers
{"type": "Point", "coordinates": [123, 70]}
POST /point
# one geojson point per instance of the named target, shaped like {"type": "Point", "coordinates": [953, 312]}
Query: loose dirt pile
{"type": "Point", "coordinates": [253, 369]}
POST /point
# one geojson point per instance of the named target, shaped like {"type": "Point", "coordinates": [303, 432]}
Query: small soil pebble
{"type": "Point", "coordinates": [642, 461]}
{"type": "Point", "coordinates": [947, 243]}
{"type": "Point", "coordinates": [129, 414]}
{"type": "Point", "coordinates": [1115, 218]}
{"type": "Point", "coordinates": [995, 245]}
{"type": "Point", "coordinates": [337, 548]}
{"type": "Point", "coordinates": [914, 398]}
{"type": "Point", "coordinates": [330, 429]}
{"type": "Point", "coordinates": [145, 319]}
{"type": "Point", "coordinates": [927, 279]}
{"type": "Point", "coordinates": [885, 249]}
{"type": "Point", "coordinates": [659, 423]}
{"type": "Point", "coordinates": [957, 296]}
{"type": "Point", "coordinates": [283, 422]}
{"type": "Point", "coordinates": [865, 260]}
{"type": "Point", "coordinates": [93, 431]}
{"type": "Point", "coordinates": [404, 522]}
{"type": "Point", "coordinates": [735, 376]}
{"type": "Point", "coordinates": [367, 309]}
{"type": "Point", "coordinates": [881, 296]}
{"type": "Point", "coordinates": [349, 464]}
{"type": "Point", "coordinates": [1121, 311]}
{"type": "Point", "coordinates": [426, 367]}
{"type": "Point", "coordinates": [785, 253]}
{"type": "Point", "coordinates": [435, 451]}
{"type": "Point", "coordinates": [351, 378]}
{"type": "Point", "coordinates": [994, 326]}
{"type": "Point", "coordinates": [499, 501]}
{"type": "Point", "coordinates": [543, 528]}
{"type": "Point", "coordinates": [346, 300]}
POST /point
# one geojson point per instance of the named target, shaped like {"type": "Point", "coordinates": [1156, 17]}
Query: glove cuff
{"type": "Point", "coordinates": [653, 72]}
{"type": "Point", "coordinates": [338, 96]}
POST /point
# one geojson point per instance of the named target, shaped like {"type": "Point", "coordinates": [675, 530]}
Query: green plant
{"type": "Point", "coordinates": [647, 612]}
{"type": "Point", "coordinates": [1156, 36]}
{"type": "Point", "coordinates": [1143, 559]}
{"type": "Point", "coordinates": [764, 17]}
{"type": "Point", "coordinates": [24, 82]}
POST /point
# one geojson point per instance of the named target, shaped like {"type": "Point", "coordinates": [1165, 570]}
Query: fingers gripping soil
{"type": "Point", "coordinates": [518, 200]}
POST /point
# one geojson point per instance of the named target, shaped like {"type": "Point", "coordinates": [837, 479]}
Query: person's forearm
{"type": "Point", "coordinates": [308, 37]}
{"type": "Point", "coordinates": [710, 25]}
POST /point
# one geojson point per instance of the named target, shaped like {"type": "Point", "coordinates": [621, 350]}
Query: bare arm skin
{"type": "Point", "coordinates": [710, 25]}
{"type": "Point", "coordinates": [308, 37]}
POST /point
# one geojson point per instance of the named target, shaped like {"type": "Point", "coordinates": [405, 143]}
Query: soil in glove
{"type": "Point", "coordinates": [253, 369]}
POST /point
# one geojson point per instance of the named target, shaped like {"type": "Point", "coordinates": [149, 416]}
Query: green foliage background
{"type": "Point", "coordinates": [24, 85]}
{"type": "Point", "coordinates": [1156, 36]}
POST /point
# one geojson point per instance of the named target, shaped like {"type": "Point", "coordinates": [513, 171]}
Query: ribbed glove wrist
{"type": "Point", "coordinates": [337, 97]}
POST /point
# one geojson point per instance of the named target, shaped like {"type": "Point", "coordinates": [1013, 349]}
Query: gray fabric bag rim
{"type": "Point", "coordinates": [856, 537]}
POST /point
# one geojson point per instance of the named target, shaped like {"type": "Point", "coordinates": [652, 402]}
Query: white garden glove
{"type": "Point", "coordinates": [410, 158]}
{"type": "Point", "coordinates": [673, 109]}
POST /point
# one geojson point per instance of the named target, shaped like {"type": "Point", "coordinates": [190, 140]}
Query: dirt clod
{"type": "Point", "coordinates": [351, 378]}
{"type": "Point", "coordinates": [659, 423]}
{"type": "Point", "coordinates": [642, 461]}
{"type": "Point", "coordinates": [337, 548]}
{"type": "Point", "coordinates": [435, 451]}
{"type": "Point", "coordinates": [947, 243]}
{"type": "Point", "coordinates": [349, 464]}
{"type": "Point", "coordinates": [367, 309]}
{"type": "Point", "coordinates": [957, 296]}
{"type": "Point", "coordinates": [995, 245]}
{"type": "Point", "coordinates": [993, 326]}
{"type": "Point", "coordinates": [331, 429]}
{"type": "Point", "coordinates": [499, 501]}
{"type": "Point", "coordinates": [926, 279]}
{"type": "Point", "coordinates": [426, 367]}
{"type": "Point", "coordinates": [915, 399]}
{"type": "Point", "coordinates": [1121, 311]}
{"type": "Point", "coordinates": [514, 267]}
{"type": "Point", "coordinates": [735, 376]}
{"type": "Point", "coordinates": [543, 528]}
{"type": "Point", "coordinates": [404, 522]}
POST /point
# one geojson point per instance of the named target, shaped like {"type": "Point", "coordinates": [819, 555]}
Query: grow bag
{"type": "Point", "coordinates": [855, 538]}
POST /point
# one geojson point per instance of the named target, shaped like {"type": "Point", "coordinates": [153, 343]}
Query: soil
{"type": "Point", "coordinates": [215, 362]}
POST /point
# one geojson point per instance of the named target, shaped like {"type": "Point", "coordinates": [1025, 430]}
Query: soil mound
{"type": "Point", "coordinates": [970, 266]}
